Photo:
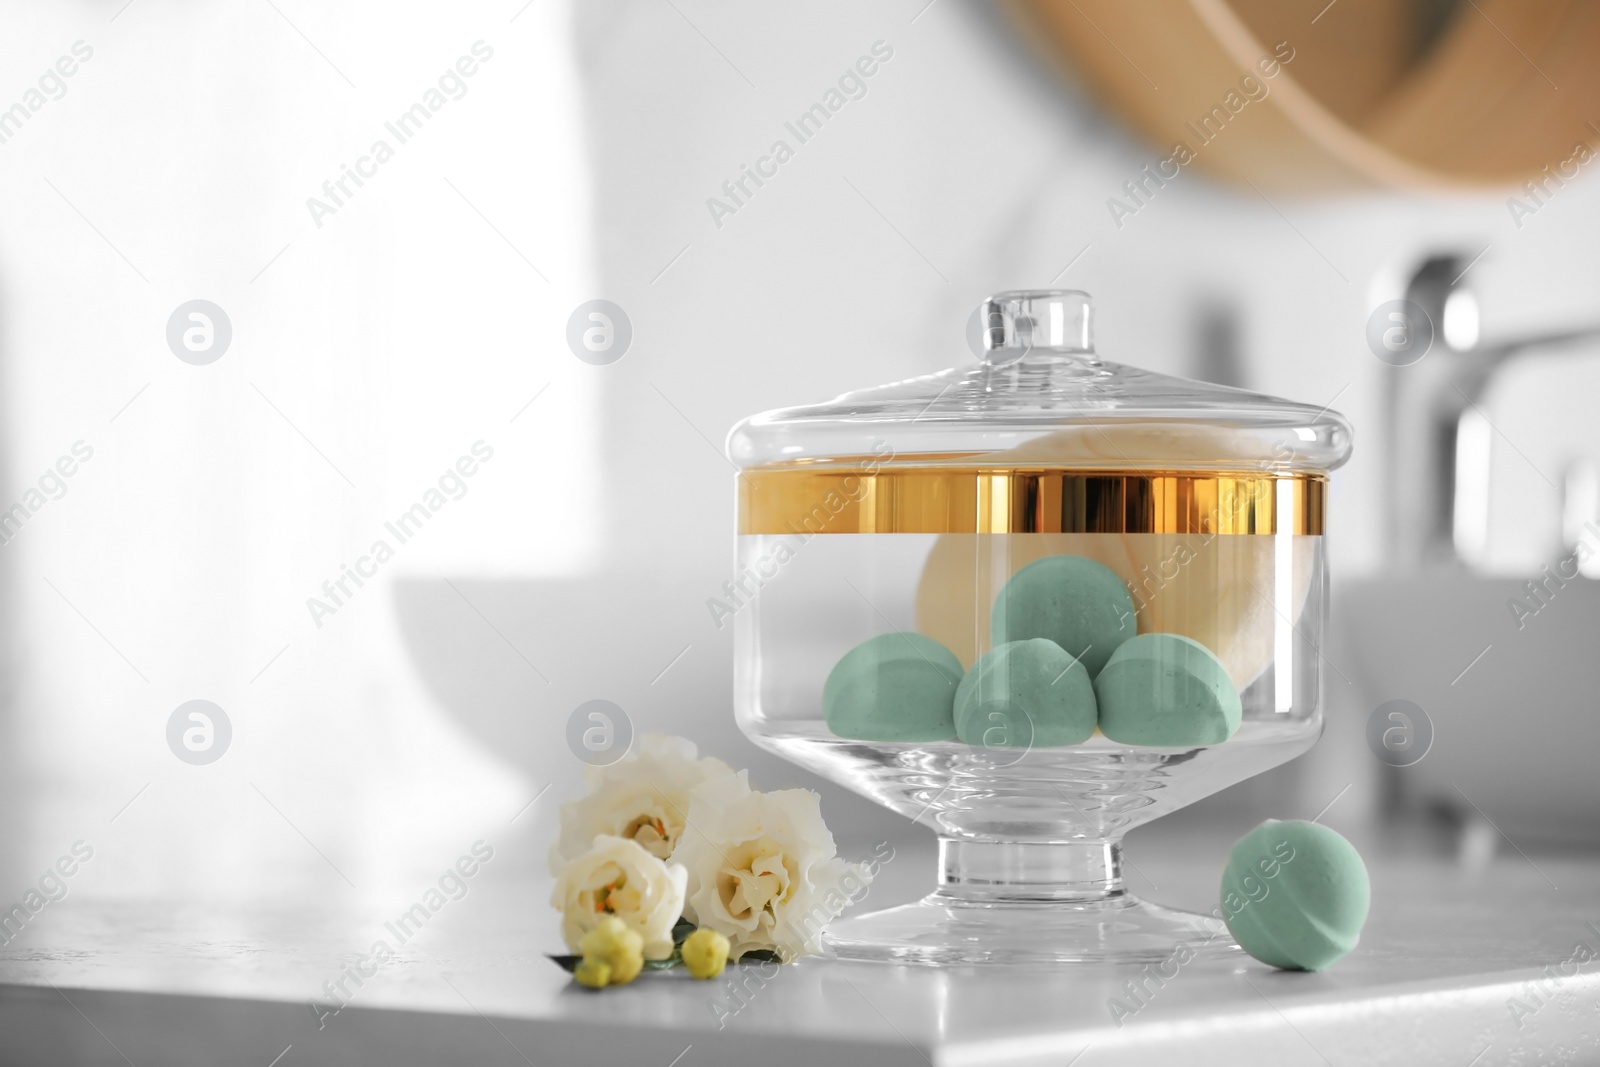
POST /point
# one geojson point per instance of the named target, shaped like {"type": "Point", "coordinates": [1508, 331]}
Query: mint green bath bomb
{"type": "Point", "coordinates": [1079, 604]}
{"type": "Point", "coordinates": [893, 687]}
{"type": "Point", "coordinates": [1026, 694]}
{"type": "Point", "coordinates": [1295, 895]}
{"type": "Point", "coordinates": [1166, 690]}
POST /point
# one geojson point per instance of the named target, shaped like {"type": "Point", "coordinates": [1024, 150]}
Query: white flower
{"type": "Point", "coordinates": [618, 877]}
{"type": "Point", "coordinates": [643, 797]}
{"type": "Point", "coordinates": [763, 870]}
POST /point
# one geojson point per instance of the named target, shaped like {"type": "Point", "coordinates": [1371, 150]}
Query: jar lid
{"type": "Point", "coordinates": [1062, 429]}
{"type": "Point", "coordinates": [1041, 393]}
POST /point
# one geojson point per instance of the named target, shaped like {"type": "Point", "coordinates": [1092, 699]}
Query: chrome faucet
{"type": "Point", "coordinates": [1438, 435]}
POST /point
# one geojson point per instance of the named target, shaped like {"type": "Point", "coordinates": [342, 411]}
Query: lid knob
{"type": "Point", "coordinates": [1046, 321]}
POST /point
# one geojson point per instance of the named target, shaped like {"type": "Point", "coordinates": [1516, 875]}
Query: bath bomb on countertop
{"type": "Point", "coordinates": [893, 687]}
{"type": "Point", "coordinates": [1078, 603]}
{"type": "Point", "coordinates": [1168, 691]}
{"type": "Point", "coordinates": [1295, 895]}
{"type": "Point", "coordinates": [1026, 694]}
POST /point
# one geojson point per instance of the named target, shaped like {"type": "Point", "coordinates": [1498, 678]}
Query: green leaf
{"type": "Point", "coordinates": [760, 955]}
{"type": "Point", "coordinates": [566, 963]}
{"type": "Point", "coordinates": [681, 931]}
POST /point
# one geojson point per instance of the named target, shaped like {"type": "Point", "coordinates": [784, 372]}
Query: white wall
{"type": "Point", "coordinates": [371, 348]}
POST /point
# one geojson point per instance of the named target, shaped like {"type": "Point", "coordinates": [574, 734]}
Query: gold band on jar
{"type": "Point", "coordinates": [910, 499]}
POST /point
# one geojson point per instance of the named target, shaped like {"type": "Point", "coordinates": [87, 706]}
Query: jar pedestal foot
{"type": "Point", "coordinates": [1029, 902]}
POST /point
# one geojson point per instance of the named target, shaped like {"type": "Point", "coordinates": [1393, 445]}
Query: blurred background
{"type": "Point", "coordinates": [539, 155]}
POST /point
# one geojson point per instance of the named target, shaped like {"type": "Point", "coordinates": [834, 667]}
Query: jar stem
{"type": "Point", "coordinates": [992, 872]}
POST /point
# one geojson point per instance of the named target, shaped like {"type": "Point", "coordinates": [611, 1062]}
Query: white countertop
{"type": "Point", "coordinates": [1446, 957]}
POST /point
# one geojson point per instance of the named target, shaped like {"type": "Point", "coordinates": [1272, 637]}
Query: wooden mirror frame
{"type": "Point", "coordinates": [1482, 94]}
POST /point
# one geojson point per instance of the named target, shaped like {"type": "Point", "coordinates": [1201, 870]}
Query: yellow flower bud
{"type": "Point", "coordinates": [615, 945]}
{"type": "Point", "coordinates": [593, 973]}
{"type": "Point", "coordinates": [705, 953]}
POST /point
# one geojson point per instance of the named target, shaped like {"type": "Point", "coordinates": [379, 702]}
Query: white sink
{"type": "Point", "coordinates": [1514, 704]}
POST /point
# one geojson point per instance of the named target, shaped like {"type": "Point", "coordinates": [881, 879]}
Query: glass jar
{"type": "Point", "coordinates": [1033, 602]}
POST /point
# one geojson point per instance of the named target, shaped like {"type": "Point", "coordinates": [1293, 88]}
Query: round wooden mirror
{"type": "Point", "coordinates": [1309, 95]}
